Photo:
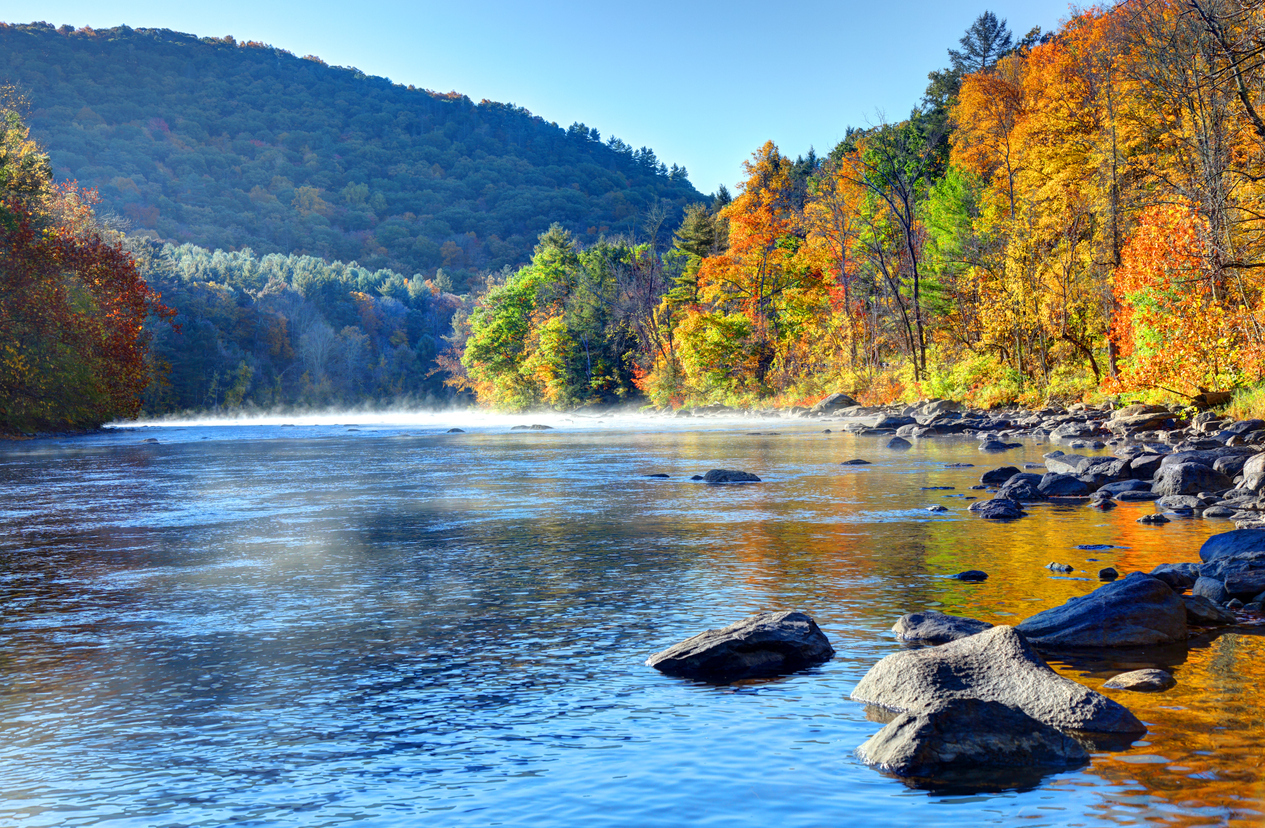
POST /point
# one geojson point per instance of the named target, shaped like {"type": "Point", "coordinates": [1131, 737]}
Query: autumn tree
{"type": "Point", "coordinates": [72, 303]}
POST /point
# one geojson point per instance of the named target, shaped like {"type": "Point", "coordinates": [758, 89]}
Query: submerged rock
{"type": "Point", "coordinates": [933, 627]}
{"type": "Point", "coordinates": [995, 665]}
{"type": "Point", "coordinates": [763, 645]}
{"type": "Point", "coordinates": [977, 575]}
{"type": "Point", "coordinates": [857, 462]}
{"type": "Point", "coordinates": [1136, 611]}
{"type": "Point", "coordinates": [455, 431]}
{"type": "Point", "coordinates": [729, 476]}
{"type": "Point", "coordinates": [957, 733]}
{"type": "Point", "coordinates": [899, 443]}
{"type": "Point", "coordinates": [1142, 681]}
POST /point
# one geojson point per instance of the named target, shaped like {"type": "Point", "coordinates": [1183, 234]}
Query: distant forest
{"type": "Point", "coordinates": [1064, 216]}
{"type": "Point", "coordinates": [226, 144]}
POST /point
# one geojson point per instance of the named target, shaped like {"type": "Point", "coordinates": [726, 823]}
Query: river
{"type": "Point", "coordinates": [367, 620]}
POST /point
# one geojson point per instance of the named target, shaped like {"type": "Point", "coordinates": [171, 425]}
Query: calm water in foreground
{"type": "Point", "coordinates": [383, 624]}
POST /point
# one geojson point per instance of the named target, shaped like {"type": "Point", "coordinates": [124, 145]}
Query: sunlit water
{"type": "Point", "coordinates": [384, 624]}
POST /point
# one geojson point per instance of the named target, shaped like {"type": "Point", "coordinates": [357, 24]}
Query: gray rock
{"type": "Point", "coordinates": [1210, 588]}
{"type": "Point", "coordinates": [766, 644]}
{"type": "Point", "coordinates": [1189, 478]}
{"type": "Point", "coordinates": [1023, 487]}
{"type": "Point", "coordinates": [999, 508]}
{"type": "Point", "coordinates": [933, 627]}
{"type": "Point", "coordinates": [1071, 464]}
{"type": "Point", "coordinates": [1245, 426]}
{"type": "Point", "coordinates": [1253, 472]}
{"type": "Point", "coordinates": [899, 443]}
{"type": "Point", "coordinates": [1201, 612]}
{"type": "Point", "coordinates": [1142, 681]}
{"type": "Point", "coordinates": [1178, 576]}
{"type": "Point", "coordinates": [455, 431]}
{"type": "Point", "coordinates": [937, 508]}
{"type": "Point", "coordinates": [1180, 502]}
{"type": "Point", "coordinates": [995, 665]}
{"type": "Point", "coordinates": [1144, 467]}
{"type": "Point", "coordinates": [729, 476]}
{"type": "Point", "coordinates": [1063, 485]}
{"type": "Point", "coordinates": [1108, 574]}
{"type": "Point", "coordinates": [833, 403]}
{"type": "Point", "coordinates": [1055, 566]}
{"type": "Point", "coordinates": [1238, 543]}
{"type": "Point", "coordinates": [995, 445]}
{"type": "Point", "coordinates": [1246, 584]}
{"type": "Point", "coordinates": [962, 733]}
{"type": "Point", "coordinates": [1121, 486]}
{"type": "Point", "coordinates": [1230, 466]}
{"type": "Point", "coordinates": [1136, 496]}
{"type": "Point", "coordinates": [1136, 611]}
{"type": "Point", "coordinates": [998, 477]}
{"type": "Point", "coordinates": [1234, 604]}
{"type": "Point", "coordinates": [1218, 512]}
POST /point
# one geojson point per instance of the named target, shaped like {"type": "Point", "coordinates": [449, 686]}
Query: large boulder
{"type": "Point", "coordinates": [996, 665]}
{"type": "Point", "coordinates": [1238, 543]}
{"type": "Point", "coordinates": [1135, 611]}
{"type": "Point", "coordinates": [730, 476]}
{"type": "Point", "coordinates": [1139, 416]}
{"type": "Point", "coordinates": [962, 733]}
{"type": "Point", "coordinates": [766, 644]}
{"type": "Point", "coordinates": [1189, 478]}
{"type": "Point", "coordinates": [833, 403]}
{"type": "Point", "coordinates": [933, 627]}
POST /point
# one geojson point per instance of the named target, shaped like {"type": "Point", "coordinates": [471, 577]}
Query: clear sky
{"type": "Point", "coordinates": [701, 82]}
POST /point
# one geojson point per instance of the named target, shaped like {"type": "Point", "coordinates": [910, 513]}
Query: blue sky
{"type": "Point", "coordinates": [702, 83]}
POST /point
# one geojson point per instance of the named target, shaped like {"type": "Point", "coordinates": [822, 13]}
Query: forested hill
{"type": "Point", "coordinates": [229, 145]}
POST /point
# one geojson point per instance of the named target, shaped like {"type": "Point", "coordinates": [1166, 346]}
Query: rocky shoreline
{"type": "Point", "coordinates": [971, 697]}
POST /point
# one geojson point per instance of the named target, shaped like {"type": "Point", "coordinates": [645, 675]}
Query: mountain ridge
{"type": "Point", "coordinates": [235, 145]}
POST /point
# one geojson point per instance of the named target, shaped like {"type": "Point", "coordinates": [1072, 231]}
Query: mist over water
{"type": "Point", "coordinates": [356, 617]}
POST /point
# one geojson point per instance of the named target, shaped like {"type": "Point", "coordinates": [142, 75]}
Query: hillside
{"type": "Point", "coordinates": [223, 144]}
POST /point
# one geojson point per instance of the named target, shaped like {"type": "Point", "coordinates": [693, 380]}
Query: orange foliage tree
{"type": "Point", "coordinates": [1176, 331]}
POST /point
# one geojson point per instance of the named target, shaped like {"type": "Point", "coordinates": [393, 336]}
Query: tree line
{"type": "Point", "coordinates": [1065, 214]}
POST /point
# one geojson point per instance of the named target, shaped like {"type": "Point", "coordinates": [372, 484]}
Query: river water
{"type": "Point", "coordinates": [372, 621]}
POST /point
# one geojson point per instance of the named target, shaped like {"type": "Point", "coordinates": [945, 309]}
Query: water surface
{"type": "Point", "coordinates": [381, 623]}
